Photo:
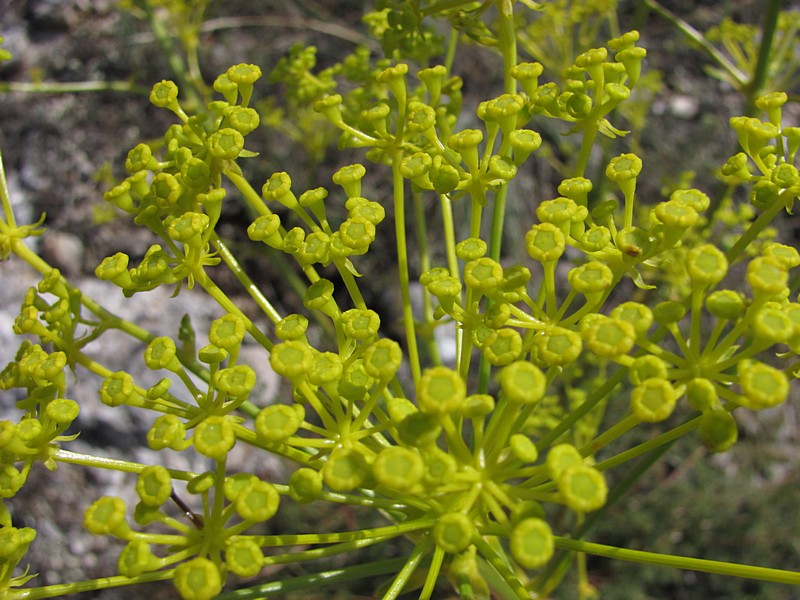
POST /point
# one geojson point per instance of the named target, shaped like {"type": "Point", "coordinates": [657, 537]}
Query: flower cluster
{"type": "Point", "coordinates": [470, 459]}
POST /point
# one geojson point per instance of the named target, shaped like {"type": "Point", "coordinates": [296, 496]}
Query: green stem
{"type": "Point", "coordinates": [402, 267]}
{"type": "Point", "coordinates": [315, 580]}
{"type": "Point", "coordinates": [65, 589]}
{"type": "Point", "coordinates": [113, 464]}
{"type": "Point", "coordinates": [5, 197]}
{"type": "Point", "coordinates": [421, 234]}
{"type": "Point", "coordinates": [613, 433]}
{"type": "Point", "coordinates": [587, 143]}
{"type": "Point", "coordinates": [387, 532]}
{"type": "Point", "coordinates": [240, 274]}
{"type": "Point", "coordinates": [576, 415]}
{"type": "Point", "coordinates": [222, 299]}
{"type": "Point", "coordinates": [664, 438]}
{"type": "Point", "coordinates": [411, 565]}
{"type": "Point", "coordinates": [501, 566]}
{"type": "Point", "coordinates": [55, 87]}
{"type": "Point", "coordinates": [763, 221]}
{"type": "Point", "coordinates": [761, 72]}
{"type": "Point", "coordinates": [680, 562]}
{"type": "Point", "coordinates": [433, 574]}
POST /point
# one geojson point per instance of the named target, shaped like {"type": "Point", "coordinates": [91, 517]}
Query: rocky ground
{"type": "Point", "coordinates": [61, 151]}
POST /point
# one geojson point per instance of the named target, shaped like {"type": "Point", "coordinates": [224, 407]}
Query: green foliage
{"type": "Point", "coordinates": [494, 464]}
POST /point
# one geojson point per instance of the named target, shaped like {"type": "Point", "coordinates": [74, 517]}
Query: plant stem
{"type": "Point", "coordinates": [680, 562]}
{"type": "Point", "coordinates": [64, 589]}
{"type": "Point", "coordinates": [315, 580]}
{"type": "Point", "coordinates": [113, 464]}
{"type": "Point", "coordinates": [664, 438]}
{"type": "Point", "coordinates": [240, 274]}
{"type": "Point", "coordinates": [57, 87]}
{"type": "Point", "coordinates": [759, 78]}
{"type": "Point", "coordinates": [402, 268]}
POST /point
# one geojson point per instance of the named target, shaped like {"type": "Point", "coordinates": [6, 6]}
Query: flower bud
{"type": "Point", "coordinates": [523, 143]}
{"type": "Point", "coordinates": [441, 391]}
{"type": "Point", "coordinates": [137, 558]}
{"type": "Point", "coordinates": [591, 278]}
{"type": "Point", "coordinates": [107, 517]}
{"type": "Point", "coordinates": [419, 429]}
{"type": "Point", "coordinates": [610, 338]}
{"type": "Point", "coordinates": [327, 368]}
{"type": "Point", "coordinates": [767, 276]}
{"type": "Point", "coordinates": [349, 178]}
{"type": "Point", "coordinates": [523, 448]}
{"type": "Point", "coordinates": [197, 579]}
{"type": "Point", "coordinates": [701, 394]}
{"type": "Point", "coordinates": [257, 502]}
{"type": "Point", "coordinates": [345, 470]}
{"type": "Point", "coordinates": [154, 485]}
{"type": "Point", "coordinates": [653, 400]}
{"type": "Point", "coordinates": [635, 313]}
{"type": "Point", "coordinates": [763, 386]}
{"type": "Point", "coordinates": [527, 74]}
{"type": "Point", "coordinates": [161, 353]}
{"type": "Point", "coordinates": [164, 94]}
{"type": "Point", "coordinates": [236, 382]}
{"type": "Point", "coordinates": [583, 488]}
{"type": "Point", "coordinates": [453, 532]}
{"type": "Point", "coordinates": [214, 437]}
{"type": "Point", "coordinates": [398, 468]}
{"type": "Point", "coordinates": [558, 346]}
{"type": "Point", "coordinates": [319, 296]}
{"type": "Point", "coordinates": [266, 229]}
{"type": "Point", "coordinates": [168, 431]}
{"type": "Point", "coordinates": [522, 382]}
{"type": "Point", "coordinates": [718, 430]}
{"type": "Point", "coordinates": [305, 485]}
{"type": "Point", "coordinates": [243, 557]}
{"type": "Point", "coordinates": [725, 304]}
{"type": "Point", "coordinates": [706, 265]}
{"type": "Point", "coordinates": [226, 144]}
{"type": "Point", "coordinates": [117, 388]}
{"type": "Point", "coordinates": [360, 324]}
{"type": "Point", "coordinates": [668, 312]}
{"type": "Point", "coordinates": [545, 242]}
{"type": "Point", "coordinates": [647, 367]}
{"type": "Point", "coordinates": [531, 543]}
{"type": "Point", "coordinates": [382, 359]}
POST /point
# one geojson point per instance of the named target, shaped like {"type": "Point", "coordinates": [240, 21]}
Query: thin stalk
{"type": "Point", "coordinates": [61, 590]}
{"type": "Point", "coordinates": [763, 221]}
{"type": "Point", "coordinates": [387, 532]}
{"type": "Point", "coordinates": [411, 565]}
{"type": "Point", "coordinates": [402, 264]}
{"type": "Point", "coordinates": [57, 87]}
{"type": "Point", "coordinates": [124, 466]}
{"type": "Point", "coordinates": [680, 562]}
{"type": "Point", "coordinates": [665, 438]}
{"type": "Point", "coordinates": [421, 233]}
{"type": "Point", "coordinates": [315, 580]}
{"type": "Point", "coordinates": [240, 274]}
{"type": "Point", "coordinates": [222, 299]}
{"type": "Point", "coordinates": [5, 197]}
{"type": "Point", "coordinates": [759, 78]}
